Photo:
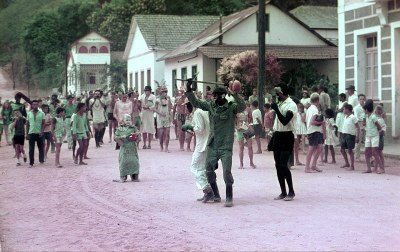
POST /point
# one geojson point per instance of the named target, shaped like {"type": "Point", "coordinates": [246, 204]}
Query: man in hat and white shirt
{"type": "Point", "coordinates": [148, 101]}
{"type": "Point", "coordinates": [352, 98]}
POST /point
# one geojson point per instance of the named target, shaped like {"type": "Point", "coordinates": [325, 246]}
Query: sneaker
{"type": "Point", "coordinates": [18, 164]}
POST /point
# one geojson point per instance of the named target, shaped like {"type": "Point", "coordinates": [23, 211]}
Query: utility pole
{"type": "Point", "coordinates": [261, 55]}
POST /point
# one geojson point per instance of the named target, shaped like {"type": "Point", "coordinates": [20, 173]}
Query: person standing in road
{"type": "Point", "coordinates": [282, 141]}
{"type": "Point", "coordinates": [34, 132]}
{"type": "Point", "coordinates": [148, 101]}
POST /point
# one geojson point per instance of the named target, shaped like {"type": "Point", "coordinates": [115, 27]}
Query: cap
{"type": "Point", "coordinates": [219, 90]}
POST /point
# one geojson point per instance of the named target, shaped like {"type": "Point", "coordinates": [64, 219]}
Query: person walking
{"type": "Point", "coordinates": [282, 141]}
{"type": "Point", "coordinates": [220, 143]}
{"type": "Point", "coordinates": [34, 130]}
{"type": "Point", "coordinates": [70, 109]}
{"type": "Point", "coordinates": [201, 127]}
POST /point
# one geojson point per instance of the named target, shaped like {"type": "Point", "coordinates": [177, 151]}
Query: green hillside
{"type": "Point", "coordinates": [14, 17]}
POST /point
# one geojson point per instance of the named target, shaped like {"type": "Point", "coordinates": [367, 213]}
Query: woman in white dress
{"type": "Point", "coordinates": [300, 132]}
{"type": "Point", "coordinates": [148, 101]}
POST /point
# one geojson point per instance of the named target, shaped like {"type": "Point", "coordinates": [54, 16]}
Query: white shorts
{"type": "Point", "coordinates": [372, 141]}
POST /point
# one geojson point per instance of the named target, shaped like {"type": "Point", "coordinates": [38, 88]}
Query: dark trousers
{"type": "Point", "coordinates": [213, 155]}
{"type": "Point", "coordinates": [35, 138]}
{"type": "Point", "coordinates": [283, 171]}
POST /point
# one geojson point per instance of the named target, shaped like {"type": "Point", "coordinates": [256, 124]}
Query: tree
{"type": "Point", "coordinates": [204, 7]}
{"type": "Point", "coordinates": [47, 38]}
{"type": "Point", "coordinates": [116, 73]}
{"type": "Point", "coordinates": [113, 19]}
{"type": "Point", "coordinates": [243, 67]}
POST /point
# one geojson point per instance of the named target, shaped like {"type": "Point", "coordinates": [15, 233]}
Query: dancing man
{"type": "Point", "coordinates": [220, 142]}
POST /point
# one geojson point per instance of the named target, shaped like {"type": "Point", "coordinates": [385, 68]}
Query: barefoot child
{"type": "Point", "coordinates": [350, 136]}
{"type": "Point", "coordinates": [126, 135]}
{"type": "Point", "coordinates": [269, 117]}
{"type": "Point", "coordinates": [331, 138]}
{"type": "Point", "coordinates": [47, 137]}
{"type": "Point", "coordinates": [380, 114]}
{"type": "Point", "coordinates": [80, 132]}
{"type": "Point", "coordinates": [257, 124]}
{"type": "Point", "coordinates": [301, 131]}
{"type": "Point", "coordinates": [19, 136]}
{"type": "Point", "coordinates": [372, 130]}
{"type": "Point", "coordinates": [57, 131]}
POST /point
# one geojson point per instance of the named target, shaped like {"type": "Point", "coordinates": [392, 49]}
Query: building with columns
{"type": "Point", "coordinates": [87, 61]}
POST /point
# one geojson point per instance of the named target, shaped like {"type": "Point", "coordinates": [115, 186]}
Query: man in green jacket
{"type": "Point", "coordinates": [220, 142]}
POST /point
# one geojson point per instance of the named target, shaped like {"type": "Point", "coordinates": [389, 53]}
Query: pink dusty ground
{"type": "Point", "coordinates": [78, 208]}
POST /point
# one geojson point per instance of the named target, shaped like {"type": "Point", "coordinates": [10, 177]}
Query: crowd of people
{"type": "Point", "coordinates": [208, 125]}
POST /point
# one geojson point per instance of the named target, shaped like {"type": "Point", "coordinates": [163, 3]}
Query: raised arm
{"type": "Point", "coordinates": [239, 105]}
{"type": "Point", "coordinates": [196, 102]}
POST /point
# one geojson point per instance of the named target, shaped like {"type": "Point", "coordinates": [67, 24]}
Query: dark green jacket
{"type": "Point", "coordinates": [222, 120]}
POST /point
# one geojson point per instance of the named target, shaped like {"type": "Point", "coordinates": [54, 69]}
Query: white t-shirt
{"type": "Point", "coordinates": [98, 110]}
{"type": "Point", "coordinates": [349, 125]}
{"type": "Point", "coordinates": [284, 107]}
{"type": "Point", "coordinates": [311, 112]}
{"type": "Point", "coordinates": [353, 100]}
{"type": "Point", "coordinates": [256, 114]}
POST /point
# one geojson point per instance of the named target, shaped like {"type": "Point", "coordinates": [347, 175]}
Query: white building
{"type": "Point", "coordinates": [369, 53]}
{"type": "Point", "coordinates": [151, 37]}
{"type": "Point", "coordinates": [286, 37]}
{"type": "Point", "coordinates": [87, 62]}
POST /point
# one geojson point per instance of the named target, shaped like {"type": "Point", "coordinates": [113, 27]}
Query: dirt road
{"type": "Point", "coordinates": [78, 208]}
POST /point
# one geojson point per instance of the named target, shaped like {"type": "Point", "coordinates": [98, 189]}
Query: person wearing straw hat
{"type": "Point", "coordinates": [148, 101]}
{"type": "Point", "coordinates": [163, 110]}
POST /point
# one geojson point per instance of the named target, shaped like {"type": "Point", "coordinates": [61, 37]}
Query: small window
{"type": "Point", "coordinates": [91, 78]}
{"type": "Point", "coordinates": [83, 49]}
{"type": "Point", "coordinates": [93, 49]}
{"type": "Point", "coordinates": [266, 22]}
{"type": "Point", "coordinates": [194, 70]}
{"type": "Point", "coordinates": [148, 77]}
{"type": "Point", "coordinates": [103, 49]}
{"type": "Point", "coordinates": [174, 76]}
{"type": "Point", "coordinates": [372, 42]}
{"type": "Point", "coordinates": [136, 79]}
{"type": "Point", "coordinates": [142, 80]}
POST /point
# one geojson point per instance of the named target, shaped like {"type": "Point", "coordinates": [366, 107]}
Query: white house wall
{"type": "Point", "coordinates": [278, 31]}
{"type": "Point", "coordinates": [205, 68]}
{"type": "Point", "coordinates": [142, 58]}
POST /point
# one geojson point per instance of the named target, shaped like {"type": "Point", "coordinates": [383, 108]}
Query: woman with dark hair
{"type": "Point", "coordinates": [331, 138]}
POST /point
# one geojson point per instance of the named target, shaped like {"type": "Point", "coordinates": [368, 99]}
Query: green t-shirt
{"type": "Point", "coordinates": [69, 110]}
{"type": "Point", "coordinates": [35, 123]}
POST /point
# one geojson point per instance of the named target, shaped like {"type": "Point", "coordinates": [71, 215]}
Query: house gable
{"type": "Point", "coordinates": [283, 30]}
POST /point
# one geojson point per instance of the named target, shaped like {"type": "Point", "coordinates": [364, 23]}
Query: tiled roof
{"type": "Point", "coordinates": [228, 22]}
{"type": "Point", "coordinates": [166, 32]}
{"type": "Point", "coordinates": [211, 33]}
{"type": "Point", "coordinates": [281, 52]}
{"type": "Point", "coordinates": [322, 17]}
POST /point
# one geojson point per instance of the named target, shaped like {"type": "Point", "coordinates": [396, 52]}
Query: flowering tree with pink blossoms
{"type": "Point", "coordinates": [243, 67]}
